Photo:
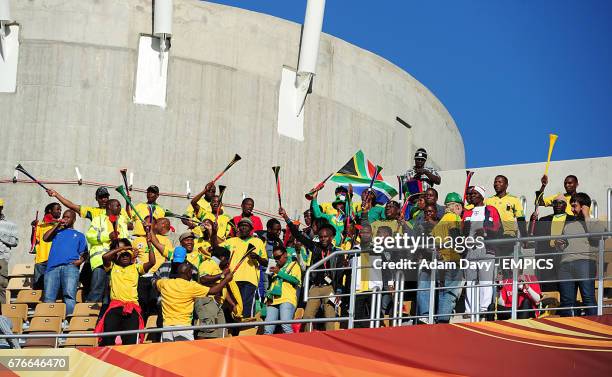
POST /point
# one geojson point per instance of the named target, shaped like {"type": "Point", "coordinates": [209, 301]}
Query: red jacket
{"type": "Point", "coordinates": [492, 224]}
{"type": "Point", "coordinates": [257, 224]}
{"type": "Point", "coordinates": [128, 307]}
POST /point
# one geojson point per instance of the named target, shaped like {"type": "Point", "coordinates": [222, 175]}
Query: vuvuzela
{"type": "Point", "coordinates": [552, 138]}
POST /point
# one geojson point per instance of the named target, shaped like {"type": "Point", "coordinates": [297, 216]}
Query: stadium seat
{"type": "Point", "coordinates": [151, 324]}
{"type": "Point", "coordinates": [81, 324]}
{"type": "Point", "coordinates": [51, 309]}
{"type": "Point", "coordinates": [16, 310]}
{"type": "Point", "coordinates": [299, 313]}
{"type": "Point", "coordinates": [40, 343]}
{"type": "Point", "coordinates": [608, 310]}
{"type": "Point", "coordinates": [79, 295]}
{"type": "Point", "coordinates": [43, 325]}
{"type": "Point", "coordinates": [28, 296]}
{"type": "Point", "coordinates": [17, 324]}
{"type": "Point", "coordinates": [22, 270]}
{"type": "Point", "coordinates": [80, 342]}
{"type": "Point", "coordinates": [17, 284]}
{"type": "Point", "coordinates": [86, 309]}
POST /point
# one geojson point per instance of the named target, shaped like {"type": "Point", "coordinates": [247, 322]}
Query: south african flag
{"type": "Point", "coordinates": [359, 172]}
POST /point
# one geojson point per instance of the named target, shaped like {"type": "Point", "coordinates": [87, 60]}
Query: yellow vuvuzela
{"type": "Point", "coordinates": [551, 144]}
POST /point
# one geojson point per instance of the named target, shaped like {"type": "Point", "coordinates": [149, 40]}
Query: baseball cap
{"type": "Point", "coordinates": [185, 236]}
{"type": "Point", "coordinates": [179, 255]}
{"type": "Point", "coordinates": [154, 189]}
{"type": "Point", "coordinates": [246, 220]}
{"type": "Point", "coordinates": [420, 153]}
{"type": "Point", "coordinates": [102, 191]}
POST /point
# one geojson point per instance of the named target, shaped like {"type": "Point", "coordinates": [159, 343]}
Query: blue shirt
{"type": "Point", "coordinates": [67, 246]}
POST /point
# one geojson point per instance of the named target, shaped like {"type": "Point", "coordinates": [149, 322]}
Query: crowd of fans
{"type": "Point", "coordinates": [232, 269]}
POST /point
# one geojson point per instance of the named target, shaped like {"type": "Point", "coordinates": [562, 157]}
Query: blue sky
{"type": "Point", "coordinates": [509, 72]}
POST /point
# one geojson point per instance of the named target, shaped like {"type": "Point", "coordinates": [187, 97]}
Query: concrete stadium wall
{"type": "Point", "coordinates": [73, 105]}
{"type": "Point", "coordinates": [594, 178]}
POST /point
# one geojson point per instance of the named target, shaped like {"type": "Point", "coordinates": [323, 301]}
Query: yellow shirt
{"type": "Point", "coordinates": [223, 223]}
{"type": "Point", "coordinates": [201, 243]}
{"type": "Point", "coordinates": [208, 266]}
{"type": "Point", "coordinates": [204, 206]}
{"type": "Point", "coordinates": [288, 291]}
{"type": "Point", "coordinates": [449, 221]}
{"type": "Point", "coordinates": [348, 244]}
{"type": "Point", "coordinates": [395, 226]}
{"type": "Point", "coordinates": [248, 270]}
{"type": "Point", "coordinates": [42, 248]}
{"type": "Point", "coordinates": [124, 282]}
{"type": "Point", "coordinates": [509, 208]}
{"type": "Point", "coordinates": [143, 211]}
{"type": "Point", "coordinates": [140, 243]}
{"type": "Point", "coordinates": [178, 297]}
{"type": "Point", "coordinates": [330, 210]}
{"type": "Point", "coordinates": [91, 212]}
{"type": "Point", "coordinates": [549, 199]}
{"type": "Point", "coordinates": [197, 259]}
{"type": "Point", "coordinates": [556, 227]}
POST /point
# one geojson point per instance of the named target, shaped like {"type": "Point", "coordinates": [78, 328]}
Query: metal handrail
{"type": "Point", "coordinates": [517, 241]}
{"type": "Point", "coordinates": [173, 328]}
{"type": "Point", "coordinates": [595, 209]}
{"type": "Point", "coordinates": [609, 208]}
{"type": "Point", "coordinates": [398, 292]}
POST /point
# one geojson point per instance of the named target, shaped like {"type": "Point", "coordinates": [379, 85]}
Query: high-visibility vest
{"type": "Point", "coordinates": [98, 237]}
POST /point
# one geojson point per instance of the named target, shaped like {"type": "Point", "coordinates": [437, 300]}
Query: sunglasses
{"type": "Point", "coordinates": [278, 257]}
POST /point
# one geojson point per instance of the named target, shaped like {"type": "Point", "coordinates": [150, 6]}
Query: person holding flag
{"type": "Point", "coordinates": [338, 221]}
{"type": "Point", "coordinates": [328, 207]}
{"type": "Point", "coordinates": [427, 175]}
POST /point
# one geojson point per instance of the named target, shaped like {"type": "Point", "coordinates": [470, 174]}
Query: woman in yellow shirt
{"type": "Point", "coordinates": [281, 297]}
{"type": "Point", "coordinates": [123, 312]}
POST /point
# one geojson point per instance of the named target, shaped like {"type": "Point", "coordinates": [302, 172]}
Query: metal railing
{"type": "Point", "coordinates": [609, 198]}
{"type": "Point", "coordinates": [398, 293]}
{"type": "Point", "coordinates": [397, 317]}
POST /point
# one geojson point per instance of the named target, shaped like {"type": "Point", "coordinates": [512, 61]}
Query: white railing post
{"type": "Point", "coordinates": [432, 291]}
{"type": "Point", "coordinates": [517, 248]}
{"type": "Point", "coordinates": [373, 307]}
{"type": "Point", "coordinates": [351, 321]}
{"type": "Point", "coordinates": [600, 276]}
